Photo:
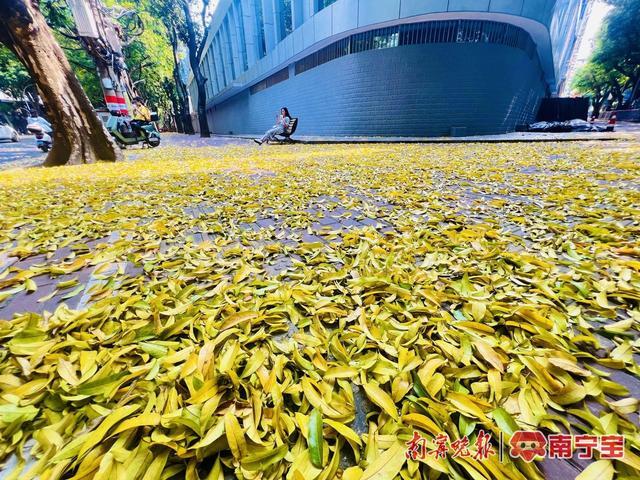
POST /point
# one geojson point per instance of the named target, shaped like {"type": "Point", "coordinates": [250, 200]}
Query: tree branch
{"type": "Point", "coordinates": [88, 68]}
{"type": "Point", "coordinates": [66, 35]}
{"type": "Point", "coordinates": [203, 16]}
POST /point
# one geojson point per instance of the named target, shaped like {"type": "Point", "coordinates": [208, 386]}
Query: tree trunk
{"type": "Point", "coordinates": [182, 112]}
{"type": "Point", "coordinates": [635, 92]}
{"type": "Point", "coordinates": [183, 102]}
{"type": "Point", "coordinates": [202, 105]}
{"type": "Point", "coordinates": [183, 105]}
{"type": "Point", "coordinates": [177, 118]}
{"type": "Point", "coordinates": [195, 53]}
{"type": "Point", "coordinates": [175, 104]}
{"type": "Point", "coordinates": [78, 134]}
{"type": "Point", "coordinates": [597, 105]}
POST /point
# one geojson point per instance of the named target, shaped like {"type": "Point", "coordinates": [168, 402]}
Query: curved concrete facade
{"type": "Point", "coordinates": [255, 49]}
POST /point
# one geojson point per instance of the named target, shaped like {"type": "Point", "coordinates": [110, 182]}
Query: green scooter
{"type": "Point", "coordinates": [125, 135]}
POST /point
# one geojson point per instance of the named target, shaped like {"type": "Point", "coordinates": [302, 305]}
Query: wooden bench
{"type": "Point", "coordinates": [290, 130]}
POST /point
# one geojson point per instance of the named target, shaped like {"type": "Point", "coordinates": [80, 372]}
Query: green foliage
{"type": "Point", "coordinates": [619, 48]}
{"type": "Point", "coordinates": [591, 78]}
{"type": "Point", "coordinates": [14, 78]}
{"type": "Point", "coordinates": [150, 61]}
{"type": "Point", "coordinates": [165, 28]}
{"type": "Point", "coordinates": [61, 22]}
{"type": "Point", "coordinates": [83, 67]}
{"type": "Point", "coordinates": [148, 56]}
{"type": "Point", "coordinates": [595, 81]}
{"type": "Point", "coordinates": [620, 45]}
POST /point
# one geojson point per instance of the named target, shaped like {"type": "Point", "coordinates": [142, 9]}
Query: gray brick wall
{"type": "Point", "coordinates": [416, 90]}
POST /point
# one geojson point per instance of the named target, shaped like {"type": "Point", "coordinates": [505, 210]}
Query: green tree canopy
{"type": "Point", "coordinates": [596, 82]}
{"type": "Point", "coordinates": [14, 78]}
{"type": "Point", "coordinates": [148, 55]}
{"type": "Point", "coordinates": [619, 46]}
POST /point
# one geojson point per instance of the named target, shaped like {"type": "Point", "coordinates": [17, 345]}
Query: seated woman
{"type": "Point", "coordinates": [282, 122]}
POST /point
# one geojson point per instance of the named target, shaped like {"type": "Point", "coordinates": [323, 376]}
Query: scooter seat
{"type": "Point", "coordinates": [34, 128]}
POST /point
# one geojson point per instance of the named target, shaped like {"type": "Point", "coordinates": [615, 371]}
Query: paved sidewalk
{"type": "Point", "coordinates": [624, 131]}
{"type": "Point", "coordinates": [25, 154]}
{"type": "Point", "coordinates": [278, 220]}
{"type": "Point", "coordinates": [515, 137]}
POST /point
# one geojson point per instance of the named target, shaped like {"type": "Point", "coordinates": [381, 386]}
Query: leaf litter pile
{"type": "Point", "coordinates": [299, 312]}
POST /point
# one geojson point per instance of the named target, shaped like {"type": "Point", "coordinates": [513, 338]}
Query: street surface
{"type": "Point", "coordinates": [23, 153]}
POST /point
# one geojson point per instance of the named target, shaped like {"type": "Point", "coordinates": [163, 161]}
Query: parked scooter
{"type": "Point", "coordinates": [42, 130]}
{"type": "Point", "coordinates": [126, 135]}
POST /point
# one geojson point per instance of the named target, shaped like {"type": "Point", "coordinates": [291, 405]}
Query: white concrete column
{"type": "Point", "coordinates": [235, 41]}
{"type": "Point", "coordinates": [308, 9]}
{"type": "Point", "coordinates": [212, 74]}
{"type": "Point", "coordinates": [277, 23]}
{"type": "Point", "coordinates": [219, 61]}
{"type": "Point", "coordinates": [207, 73]}
{"type": "Point", "coordinates": [250, 33]}
{"type": "Point", "coordinates": [213, 79]}
{"type": "Point", "coordinates": [226, 47]}
{"type": "Point", "coordinates": [269, 27]}
{"type": "Point", "coordinates": [297, 13]}
{"type": "Point", "coordinates": [242, 44]}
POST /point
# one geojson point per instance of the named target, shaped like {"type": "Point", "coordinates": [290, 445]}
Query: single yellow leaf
{"type": "Point", "coordinates": [381, 399]}
{"type": "Point", "coordinates": [387, 465]}
{"type": "Point", "coordinates": [235, 436]}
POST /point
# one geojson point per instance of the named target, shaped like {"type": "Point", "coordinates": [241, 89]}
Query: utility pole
{"type": "Point", "coordinates": [101, 37]}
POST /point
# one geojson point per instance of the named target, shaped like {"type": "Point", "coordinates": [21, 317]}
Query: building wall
{"type": "Point", "coordinates": [249, 40]}
{"type": "Point", "coordinates": [415, 90]}
{"type": "Point", "coordinates": [564, 30]}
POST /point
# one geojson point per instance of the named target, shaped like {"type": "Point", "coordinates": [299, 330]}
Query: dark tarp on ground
{"type": "Point", "coordinates": [575, 125]}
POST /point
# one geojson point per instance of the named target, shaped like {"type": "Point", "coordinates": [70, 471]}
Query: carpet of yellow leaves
{"type": "Point", "coordinates": [298, 312]}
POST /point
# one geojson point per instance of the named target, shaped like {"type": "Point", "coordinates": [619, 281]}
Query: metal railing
{"type": "Point", "coordinates": [441, 31]}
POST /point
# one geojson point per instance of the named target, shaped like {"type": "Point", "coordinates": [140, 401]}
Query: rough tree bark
{"type": "Point", "coordinates": [78, 134]}
{"type": "Point", "coordinates": [175, 104]}
{"type": "Point", "coordinates": [635, 91]}
{"type": "Point", "coordinates": [181, 89]}
{"type": "Point", "coordinates": [597, 103]}
{"type": "Point", "coordinates": [195, 54]}
{"type": "Point", "coordinates": [202, 103]}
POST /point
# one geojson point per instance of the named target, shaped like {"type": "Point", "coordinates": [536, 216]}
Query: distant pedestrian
{"type": "Point", "coordinates": [282, 122]}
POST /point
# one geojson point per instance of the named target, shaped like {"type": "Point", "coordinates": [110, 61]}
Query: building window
{"type": "Point", "coordinates": [262, 44]}
{"type": "Point", "coordinates": [242, 41]}
{"type": "Point", "coordinates": [229, 49]}
{"type": "Point", "coordinates": [207, 63]}
{"type": "Point", "coordinates": [320, 4]}
{"type": "Point", "coordinates": [214, 75]}
{"type": "Point", "coordinates": [286, 18]}
{"type": "Point", "coordinates": [375, 39]}
{"type": "Point", "coordinates": [270, 81]}
{"type": "Point", "coordinates": [443, 31]}
{"type": "Point", "coordinates": [220, 57]}
{"type": "Point", "coordinates": [219, 67]}
{"type": "Point", "coordinates": [385, 40]}
{"type": "Point", "coordinates": [331, 52]}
